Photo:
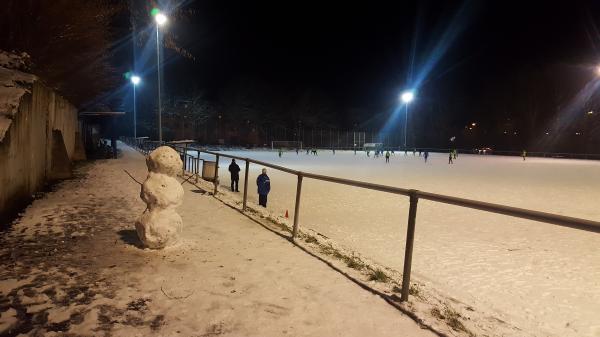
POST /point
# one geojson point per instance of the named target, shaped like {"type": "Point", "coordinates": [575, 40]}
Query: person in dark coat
{"type": "Point", "coordinates": [234, 170]}
{"type": "Point", "coordinates": [264, 187]}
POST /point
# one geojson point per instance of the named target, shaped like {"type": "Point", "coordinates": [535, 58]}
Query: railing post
{"type": "Point", "coordinates": [184, 160]}
{"type": "Point", "coordinates": [216, 182]}
{"type": "Point", "coordinates": [297, 206]}
{"type": "Point", "coordinates": [246, 185]}
{"type": "Point", "coordinates": [410, 238]}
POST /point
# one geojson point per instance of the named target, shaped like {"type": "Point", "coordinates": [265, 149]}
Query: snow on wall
{"type": "Point", "coordinates": [14, 61]}
{"type": "Point", "coordinates": [13, 85]}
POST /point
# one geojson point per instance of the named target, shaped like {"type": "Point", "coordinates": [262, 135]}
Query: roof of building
{"type": "Point", "coordinates": [101, 113]}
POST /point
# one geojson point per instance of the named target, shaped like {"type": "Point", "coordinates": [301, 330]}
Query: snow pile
{"type": "Point", "coordinates": [159, 226]}
{"type": "Point", "coordinates": [13, 85]}
{"type": "Point", "coordinates": [15, 61]}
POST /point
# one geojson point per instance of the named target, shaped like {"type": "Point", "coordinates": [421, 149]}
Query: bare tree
{"type": "Point", "coordinates": [69, 42]}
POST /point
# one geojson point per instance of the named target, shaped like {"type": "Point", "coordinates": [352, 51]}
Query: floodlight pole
{"type": "Point", "coordinates": [158, 71]}
{"type": "Point", "coordinates": [405, 123]}
{"type": "Point", "coordinates": [134, 114]}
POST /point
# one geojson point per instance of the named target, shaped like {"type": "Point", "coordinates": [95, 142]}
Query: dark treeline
{"type": "Point", "coordinates": [70, 43]}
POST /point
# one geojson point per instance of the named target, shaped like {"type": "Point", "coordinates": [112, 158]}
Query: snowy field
{"type": "Point", "coordinates": [542, 278]}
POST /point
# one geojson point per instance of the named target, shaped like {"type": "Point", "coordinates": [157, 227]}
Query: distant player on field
{"type": "Point", "coordinates": [387, 156]}
{"type": "Point", "coordinates": [426, 155]}
{"type": "Point", "coordinates": [450, 157]}
{"type": "Point", "coordinates": [524, 154]}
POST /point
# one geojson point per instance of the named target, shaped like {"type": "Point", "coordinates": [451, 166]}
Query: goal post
{"type": "Point", "coordinates": [286, 144]}
{"type": "Point", "coordinates": [373, 146]}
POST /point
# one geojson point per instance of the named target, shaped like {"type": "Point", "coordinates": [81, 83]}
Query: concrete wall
{"type": "Point", "coordinates": [26, 155]}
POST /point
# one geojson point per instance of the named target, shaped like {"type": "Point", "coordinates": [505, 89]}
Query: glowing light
{"type": "Point", "coordinates": [590, 112]}
{"type": "Point", "coordinates": [473, 124]}
{"type": "Point", "coordinates": [135, 79]}
{"type": "Point", "coordinates": [407, 96]}
{"type": "Point", "coordinates": [577, 133]}
{"type": "Point", "coordinates": [160, 19]}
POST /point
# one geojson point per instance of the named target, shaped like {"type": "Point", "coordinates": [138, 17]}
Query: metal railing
{"type": "Point", "coordinates": [414, 196]}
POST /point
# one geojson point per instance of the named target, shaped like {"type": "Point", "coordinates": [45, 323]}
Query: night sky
{"type": "Point", "coordinates": [481, 61]}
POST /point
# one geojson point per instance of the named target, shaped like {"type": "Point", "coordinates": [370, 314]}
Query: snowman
{"type": "Point", "coordinates": [160, 225]}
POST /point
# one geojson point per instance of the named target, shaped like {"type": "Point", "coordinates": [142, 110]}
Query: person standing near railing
{"type": "Point", "coordinates": [234, 170]}
{"type": "Point", "coordinates": [264, 187]}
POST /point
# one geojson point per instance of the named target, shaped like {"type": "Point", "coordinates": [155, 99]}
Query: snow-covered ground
{"type": "Point", "coordinates": [72, 266]}
{"type": "Point", "coordinates": [542, 278]}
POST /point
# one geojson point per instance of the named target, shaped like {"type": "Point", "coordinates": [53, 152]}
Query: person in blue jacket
{"type": "Point", "coordinates": [264, 187]}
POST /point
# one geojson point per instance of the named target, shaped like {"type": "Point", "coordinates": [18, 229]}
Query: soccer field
{"type": "Point", "coordinates": [540, 277]}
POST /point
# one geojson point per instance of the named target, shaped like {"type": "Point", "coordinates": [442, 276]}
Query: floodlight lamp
{"type": "Point", "coordinates": [135, 79]}
{"type": "Point", "coordinates": [407, 96]}
{"type": "Point", "coordinates": [160, 19]}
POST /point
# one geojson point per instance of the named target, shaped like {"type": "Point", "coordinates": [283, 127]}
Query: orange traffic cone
{"type": "Point", "coordinates": [286, 214]}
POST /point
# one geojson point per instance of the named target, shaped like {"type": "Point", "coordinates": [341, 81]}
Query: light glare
{"type": "Point", "coordinates": [407, 96]}
{"type": "Point", "coordinates": [160, 19]}
{"type": "Point", "coordinates": [135, 79]}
